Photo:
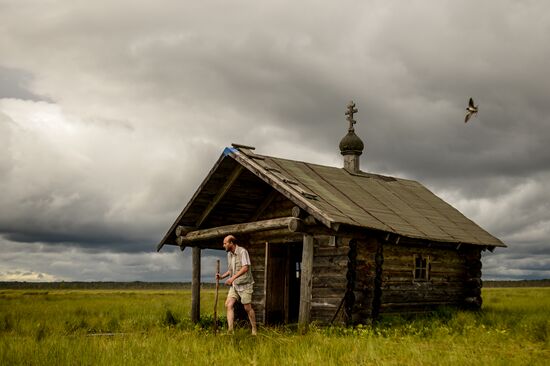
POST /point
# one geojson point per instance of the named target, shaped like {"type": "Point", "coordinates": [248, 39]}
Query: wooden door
{"type": "Point", "coordinates": [282, 283]}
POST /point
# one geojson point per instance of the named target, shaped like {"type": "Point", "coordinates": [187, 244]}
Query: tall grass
{"type": "Point", "coordinates": [144, 327]}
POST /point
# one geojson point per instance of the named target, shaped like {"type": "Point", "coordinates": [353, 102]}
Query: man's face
{"type": "Point", "coordinates": [227, 245]}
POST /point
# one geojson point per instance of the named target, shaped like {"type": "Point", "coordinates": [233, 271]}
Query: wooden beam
{"type": "Point", "coordinates": [298, 212]}
{"type": "Point", "coordinates": [277, 236]}
{"type": "Point", "coordinates": [377, 292]}
{"type": "Point", "coordinates": [196, 286]}
{"type": "Point", "coordinates": [277, 183]}
{"type": "Point", "coordinates": [266, 272]}
{"type": "Point", "coordinates": [305, 283]}
{"type": "Point", "coordinates": [244, 228]}
{"type": "Point", "coordinates": [296, 226]}
{"type": "Point", "coordinates": [168, 235]}
{"type": "Point", "coordinates": [182, 230]}
{"type": "Point", "coordinates": [217, 198]}
{"type": "Point", "coordinates": [239, 146]}
{"type": "Point", "coordinates": [264, 205]}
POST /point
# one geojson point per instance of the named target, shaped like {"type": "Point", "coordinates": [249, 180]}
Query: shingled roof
{"type": "Point", "coordinates": [335, 197]}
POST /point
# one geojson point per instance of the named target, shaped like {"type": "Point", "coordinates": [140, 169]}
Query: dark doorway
{"type": "Point", "coordinates": [283, 282]}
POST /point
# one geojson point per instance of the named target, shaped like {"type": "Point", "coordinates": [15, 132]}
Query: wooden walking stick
{"type": "Point", "coordinates": [216, 298]}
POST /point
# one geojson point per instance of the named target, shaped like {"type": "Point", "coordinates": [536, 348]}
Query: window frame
{"type": "Point", "coordinates": [422, 268]}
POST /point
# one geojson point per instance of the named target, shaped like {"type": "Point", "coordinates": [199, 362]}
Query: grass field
{"type": "Point", "coordinates": [152, 327]}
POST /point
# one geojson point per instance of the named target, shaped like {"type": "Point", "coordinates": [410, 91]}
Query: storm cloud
{"type": "Point", "coordinates": [112, 113]}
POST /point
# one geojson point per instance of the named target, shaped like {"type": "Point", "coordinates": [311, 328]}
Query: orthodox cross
{"type": "Point", "coordinates": [349, 113]}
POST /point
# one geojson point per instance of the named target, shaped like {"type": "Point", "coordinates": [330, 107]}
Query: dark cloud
{"type": "Point", "coordinates": [15, 84]}
{"type": "Point", "coordinates": [142, 98]}
{"type": "Point", "coordinates": [42, 261]}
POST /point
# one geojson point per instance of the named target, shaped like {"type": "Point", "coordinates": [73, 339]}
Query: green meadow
{"type": "Point", "coordinates": [152, 327]}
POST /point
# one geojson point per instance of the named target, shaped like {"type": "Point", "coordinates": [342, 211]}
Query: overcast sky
{"type": "Point", "coordinates": [112, 113]}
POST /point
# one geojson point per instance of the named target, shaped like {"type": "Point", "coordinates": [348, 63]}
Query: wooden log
{"type": "Point", "coordinates": [402, 305]}
{"type": "Point", "coordinates": [332, 269]}
{"type": "Point", "coordinates": [337, 260]}
{"type": "Point", "coordinates": [310, 221]}
{"type": "Point", "coordinates": [298, 212]}
{"type": "Point", "coordinates": [331, 251]}
{"type": "Point", "coordinates": [182, 230]}
{"type": "Point", "coordinates": [408, 261]}
{"type": "Point", "coordinates": [474, 292]}
{"type": "Point", "coordinates": [388, 281]}
{"type": "Point", "coordinates": [335, 283]}
{"type": "Point", "coordinates": [243, 228]}
{"type": "Point", "coordinates": [196, 286]}
{"type": "Point", "coordinates": [473, 265]}
{"type": "Point", "coordinates": [321, 303]}
{"type": "Point", "coordinates": [240, 146]}
{"type": "Point", "coordinates": [307, 225]}
{"type": "Point", "coordinates": [274, 236]}
{"type": "Point", "coordinates": [306, 282]}
{"type": "Point", "coordinates": [473, 303]}
{"type": "Point", "coordinates": [474, 283]}
{"type": "Point", "coordinates": [437, 260]}
{"type": "Point", "coordinates": [329, 292]}
{"type": "Point", "coordinates": [436, 254]}
{"type": "Point", "coordinates": [296, 225]}
{"type": "Point", "coordinates": [474, 274]}
{"type": "Point", "coordinates": [390, 268]}
{"type": "Point", "coordinates": [282, 187]}
{"type": "Point", "coordinates": [274, 211]}
{"type": "Point", "coordinates": [387, 285]}
{"type": "Point", "coordinates": [266, 268]}
{"type": "Point", "coordinates": [411, 297]}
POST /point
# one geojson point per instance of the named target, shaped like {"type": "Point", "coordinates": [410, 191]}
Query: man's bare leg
{"type": "Point", "coordinates": [229, 306]}
{"type": "Point", "coordinates": [251, 317]}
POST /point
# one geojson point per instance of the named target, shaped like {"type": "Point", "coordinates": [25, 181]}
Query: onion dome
{"type": "Point", "coordinates": [351, 144]}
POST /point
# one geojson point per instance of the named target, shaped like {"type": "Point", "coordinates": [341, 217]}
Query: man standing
{"type": "Point", "coordinates": [241, 282]}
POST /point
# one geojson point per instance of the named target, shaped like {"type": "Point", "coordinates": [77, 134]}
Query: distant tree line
{"type": "Point", "coordinates": [137, 285]}
{"type": "Point", "coordinates": [109, 285]}
{"type": "Point", "coordinates": [520, 283]}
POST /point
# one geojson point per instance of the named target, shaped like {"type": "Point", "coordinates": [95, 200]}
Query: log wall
{"type": "Point", "coordinates": [400, 292]}
{"type": "Point", "coordinates": [355, 280]}
{"type": "Point", "coordinates": [330, 268]}
{"type": "Point", "coordinates": [365, 278]}
{"type": "Point", "coordinates": [257, 257]}
{"type": "Point", "coordinates": [280, 206]}
{"type": "Point", "coordinates": [472, 283]}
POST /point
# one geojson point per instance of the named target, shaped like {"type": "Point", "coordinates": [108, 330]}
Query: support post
{"type": "Point", "coordinates": [306, 283]}
{"type": "Point", "coordinates": [196, 286]}
{"type": "Point", "coordinates": [266, 275]}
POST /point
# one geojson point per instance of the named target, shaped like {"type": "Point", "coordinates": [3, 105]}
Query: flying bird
{"type": "Point", "coordinates": [472, 109]}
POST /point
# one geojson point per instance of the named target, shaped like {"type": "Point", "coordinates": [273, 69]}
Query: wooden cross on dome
{"type": "Point", "coordinates": [349, 113]}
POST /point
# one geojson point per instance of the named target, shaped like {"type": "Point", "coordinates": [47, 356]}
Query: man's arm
{"type": "Point", "coordinates": [231, 279]}
{"type": "Point", "coordinates": [220, 277]}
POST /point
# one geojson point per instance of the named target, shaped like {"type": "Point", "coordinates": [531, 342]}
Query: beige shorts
{"type": "Point", "coordinates": [244, 296]}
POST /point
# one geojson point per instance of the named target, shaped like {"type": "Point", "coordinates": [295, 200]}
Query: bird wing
{"type": "Point", "coordinates": [468, 116]}
{"type": "Point", "coordinates": [471, 104]}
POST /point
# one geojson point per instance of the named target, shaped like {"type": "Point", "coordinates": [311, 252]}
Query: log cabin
{"type": "Point", "coordinates": [333, 245]}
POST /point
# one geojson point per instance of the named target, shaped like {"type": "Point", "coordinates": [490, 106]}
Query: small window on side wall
{"type": "Point", "coordinates": [422, 268]}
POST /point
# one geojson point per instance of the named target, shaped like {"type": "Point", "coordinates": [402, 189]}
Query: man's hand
{"type": "Point", "coordinates": [229, 281]}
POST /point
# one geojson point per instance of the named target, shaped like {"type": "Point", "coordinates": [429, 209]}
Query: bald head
{"type": "Point", "coordinates": [229, 243]}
